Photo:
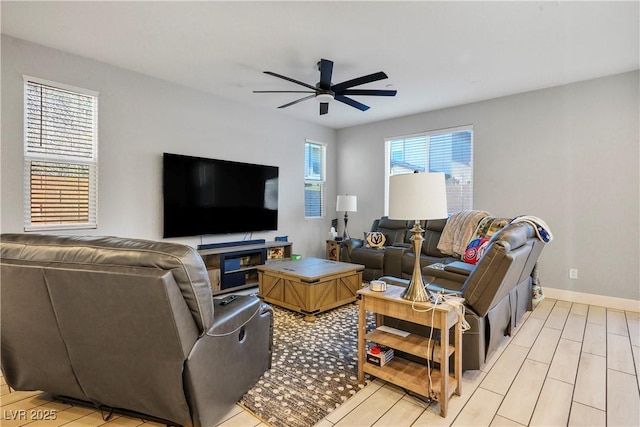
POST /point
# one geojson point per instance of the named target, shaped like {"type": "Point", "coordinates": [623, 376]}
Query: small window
{"type": "Point", "coordinates": [314, 179]}
{"type": "Point", "coordinates": [449, 151]}
{"type": "Point", "coordinates": [60, 156]}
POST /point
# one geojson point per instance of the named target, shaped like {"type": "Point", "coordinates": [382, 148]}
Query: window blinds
{"type": "Point", "coordinates": [449, 151]}
{"type": "Point", "coordinates": [60, 157]}
{"type": "Point", "coordinates": [314, 180]}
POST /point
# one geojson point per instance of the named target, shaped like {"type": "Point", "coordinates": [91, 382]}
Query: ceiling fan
{"type": "Point", "coordinates": [324, 91]}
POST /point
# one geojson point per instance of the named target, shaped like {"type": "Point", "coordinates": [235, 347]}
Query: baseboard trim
{"type": "Point", "coordinates": [592, 299]}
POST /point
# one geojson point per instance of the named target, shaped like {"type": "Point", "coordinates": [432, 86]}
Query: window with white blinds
{"type": "Point", "coordinates": [314, 179]}
{"type": "Point", "coordinates": [448, 150]}
{"type": "Point", "coordinates": [61, 156]}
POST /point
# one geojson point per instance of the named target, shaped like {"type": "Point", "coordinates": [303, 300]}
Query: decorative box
{"type": "Point", "coordinates": [379, 355]}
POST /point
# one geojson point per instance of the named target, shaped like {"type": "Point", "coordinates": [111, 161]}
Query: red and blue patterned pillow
{"type": "Point", "coordinates": [479, 242]}
{"type": "Point", "coordinates": [475, 249]}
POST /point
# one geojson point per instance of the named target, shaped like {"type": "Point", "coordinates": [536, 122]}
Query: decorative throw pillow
{"type": "Point", "coordinates": [477, 246]}
{"type": "Point", "coordinates": [475, 249]}
{"type": "Point", "coordinates": [375, 239]}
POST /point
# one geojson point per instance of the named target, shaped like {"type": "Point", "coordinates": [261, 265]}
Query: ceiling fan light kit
{"type": "Point", "coordinates": [325, 92]}
{"type": "Point", "coordinates": [324, 97]}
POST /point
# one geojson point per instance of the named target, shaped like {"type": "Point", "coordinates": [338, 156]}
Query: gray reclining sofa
{"type": "Point", "coordinates": [127, 325]}
{"type": "Point", "coordinates": [497, 290]}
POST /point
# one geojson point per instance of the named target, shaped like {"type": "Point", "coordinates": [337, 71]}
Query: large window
{"type": "Point", "coordinates": [449, 151]}
{"type": "Point", "coordinates": [314, 179]}
{"type": "Point", "coordinates": [60, 156]}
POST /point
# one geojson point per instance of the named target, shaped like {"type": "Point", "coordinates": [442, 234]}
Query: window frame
{"type": "Point", "coordinates": [428, 135]}
{"type": "Point", "coordinates": [320, 181]}
{"type": "Point", "coordinates": [30, 157]}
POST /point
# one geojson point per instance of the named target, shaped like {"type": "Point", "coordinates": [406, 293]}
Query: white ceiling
{"type": "Point", "coordinates": [436, 54]}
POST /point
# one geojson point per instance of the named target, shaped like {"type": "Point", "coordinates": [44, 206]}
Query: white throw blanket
{"type": "Point", "coordinates": [542, 229]}
{"type": "Point", "coordinates": [458, 230]}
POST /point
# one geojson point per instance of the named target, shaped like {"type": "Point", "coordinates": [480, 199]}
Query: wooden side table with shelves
{"type": "Point", "coordinates": [405, 373]}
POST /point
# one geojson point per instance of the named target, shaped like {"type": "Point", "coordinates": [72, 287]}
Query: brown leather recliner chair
{"type": "Point", "coordinates": [129, 325]}
{"type": "Point", "coordinates": [497, 291]}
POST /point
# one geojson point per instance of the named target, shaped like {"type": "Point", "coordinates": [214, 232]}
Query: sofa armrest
{"type": "Point", "coordinates": [460, 267]}
{"type": "Point", "coordinates": [229, 358]}
{"type": "Point", "coordinates": [439, 277]}
{"type": "Point", "coordinates": [347, 247]}
{"type": "Point", "coordinates": [393, 260]}
{"type": "Point", "coordinates": [230, 317]}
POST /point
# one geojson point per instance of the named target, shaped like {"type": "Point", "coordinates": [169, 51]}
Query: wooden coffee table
{"type": "Point", "coordinates": [309, 285]}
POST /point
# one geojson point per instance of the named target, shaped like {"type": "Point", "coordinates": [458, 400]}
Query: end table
{"type": "Point", "coordinates": [333, 250]}
{"type": "Point", "coordinates": [438, 384]}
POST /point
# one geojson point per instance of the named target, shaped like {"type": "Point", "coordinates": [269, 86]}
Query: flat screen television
{"type": "Point", "coordinates": [211, 196]}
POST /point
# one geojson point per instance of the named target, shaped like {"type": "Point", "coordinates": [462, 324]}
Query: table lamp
{"type": "Point", "coordinates": [417, 196]}
{"type": "Point", "coordinates": [346, 203]}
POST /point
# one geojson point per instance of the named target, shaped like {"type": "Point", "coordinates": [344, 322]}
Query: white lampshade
{"type": "Point", "coordinates": [417, 196]}
{"type": "Point", "coordinates": [347, 203]}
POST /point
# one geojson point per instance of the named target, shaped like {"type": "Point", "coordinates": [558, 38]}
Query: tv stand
{"type": "Point", "coordinates": [233, 266]}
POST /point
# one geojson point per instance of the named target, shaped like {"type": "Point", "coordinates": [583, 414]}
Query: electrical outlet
{"type": "Point", "coordinates": [573, 273]}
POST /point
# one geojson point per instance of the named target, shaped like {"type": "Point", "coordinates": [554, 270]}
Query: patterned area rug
{"type": "Point", "coordinates": [314, 368]}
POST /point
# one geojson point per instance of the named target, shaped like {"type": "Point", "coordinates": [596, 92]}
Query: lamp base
{"type": "Point", "coordinates": [416, 290]}
{"type": "Point", "coordinates": [345, 233]}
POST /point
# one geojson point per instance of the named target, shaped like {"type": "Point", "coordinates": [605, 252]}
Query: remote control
{"type": "Point", "coordinates": [228, 299]}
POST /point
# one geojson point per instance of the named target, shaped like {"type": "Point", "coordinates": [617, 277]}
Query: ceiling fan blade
{"type": "Point", "coordinates": [352, 102]}
{"type": "Point", "coordinates": [324, 108]}
{"type": "Point", "coordinates": [284, 91]}
{"type": "Point", "coordinates": [326, 70]}
{"type": "Point", "coordinates": [359, 81]}
{"type": "Point", "coordinates": [289, 79]}
{"type": "Point", "coordinates": [297, 100]}
{"type": "Point", "coordinates": [367, 92]}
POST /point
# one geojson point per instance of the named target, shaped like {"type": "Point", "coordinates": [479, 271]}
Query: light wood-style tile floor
{"type": "Point", "coordinates": [567, 364]}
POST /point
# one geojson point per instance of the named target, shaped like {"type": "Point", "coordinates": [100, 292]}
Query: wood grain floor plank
{"type": "Point", "coordinates": [616, 322]}
{"type": "Point", "coordinates": [586, 416]}
{"type": "Point", "coordinates": [344, 409]}
{"type": "Point", "coordinates": [499, 421]}
{"type": "Point", "coordinates": [619, 356]}
{"type": "Point", "coordinates": [242, 419]}
{"type": "Point", "coordinates": [565, 361]}
{"type": "Point", "coordinates": [633, 324]}
{"type": "Point", "coordinates": [528, 333]}
{"type": "Point", "coordinates": [543, 309]}
{"type": "Point", "coordinates": [480, 409]}
{"type": "Point", "coordinates": [431, 416]}
{"type": "Point", "coordinates": [545, 346]}
{"type": "Point", "coordinates": [591, 381]}
{"type": "Point", "coordinates": [554, 404]}
{"type": "Point", "coordinates": [595, 339]}
{"type": "Point", "coordinates": [623, 399]}
{"type": "Point", "coordinates": [597, 315]}
{"type": "Point", "coordinates": [574, 327]}
{"type": "Point", "coordinates": [402, 414]}
{"type": "Point", "coordinates": [520, 401]}
{"type": "Point", "coordinates": [558, 316]}
{"type": "Point", "coordinates": [579, 309]}
{"type": "Point", "coordinates": [373, 408]}
{"type": "Point", "coordinates": [499, 379]}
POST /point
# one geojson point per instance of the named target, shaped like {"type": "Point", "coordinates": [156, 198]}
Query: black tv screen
{"type": "Point", "coordinates": [211, 196]}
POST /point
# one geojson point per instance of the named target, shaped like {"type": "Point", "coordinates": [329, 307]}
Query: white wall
{"type": "Point", "coordinates": [569, 155]}
{"type": "Point", "coordinates": [140, 118]}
